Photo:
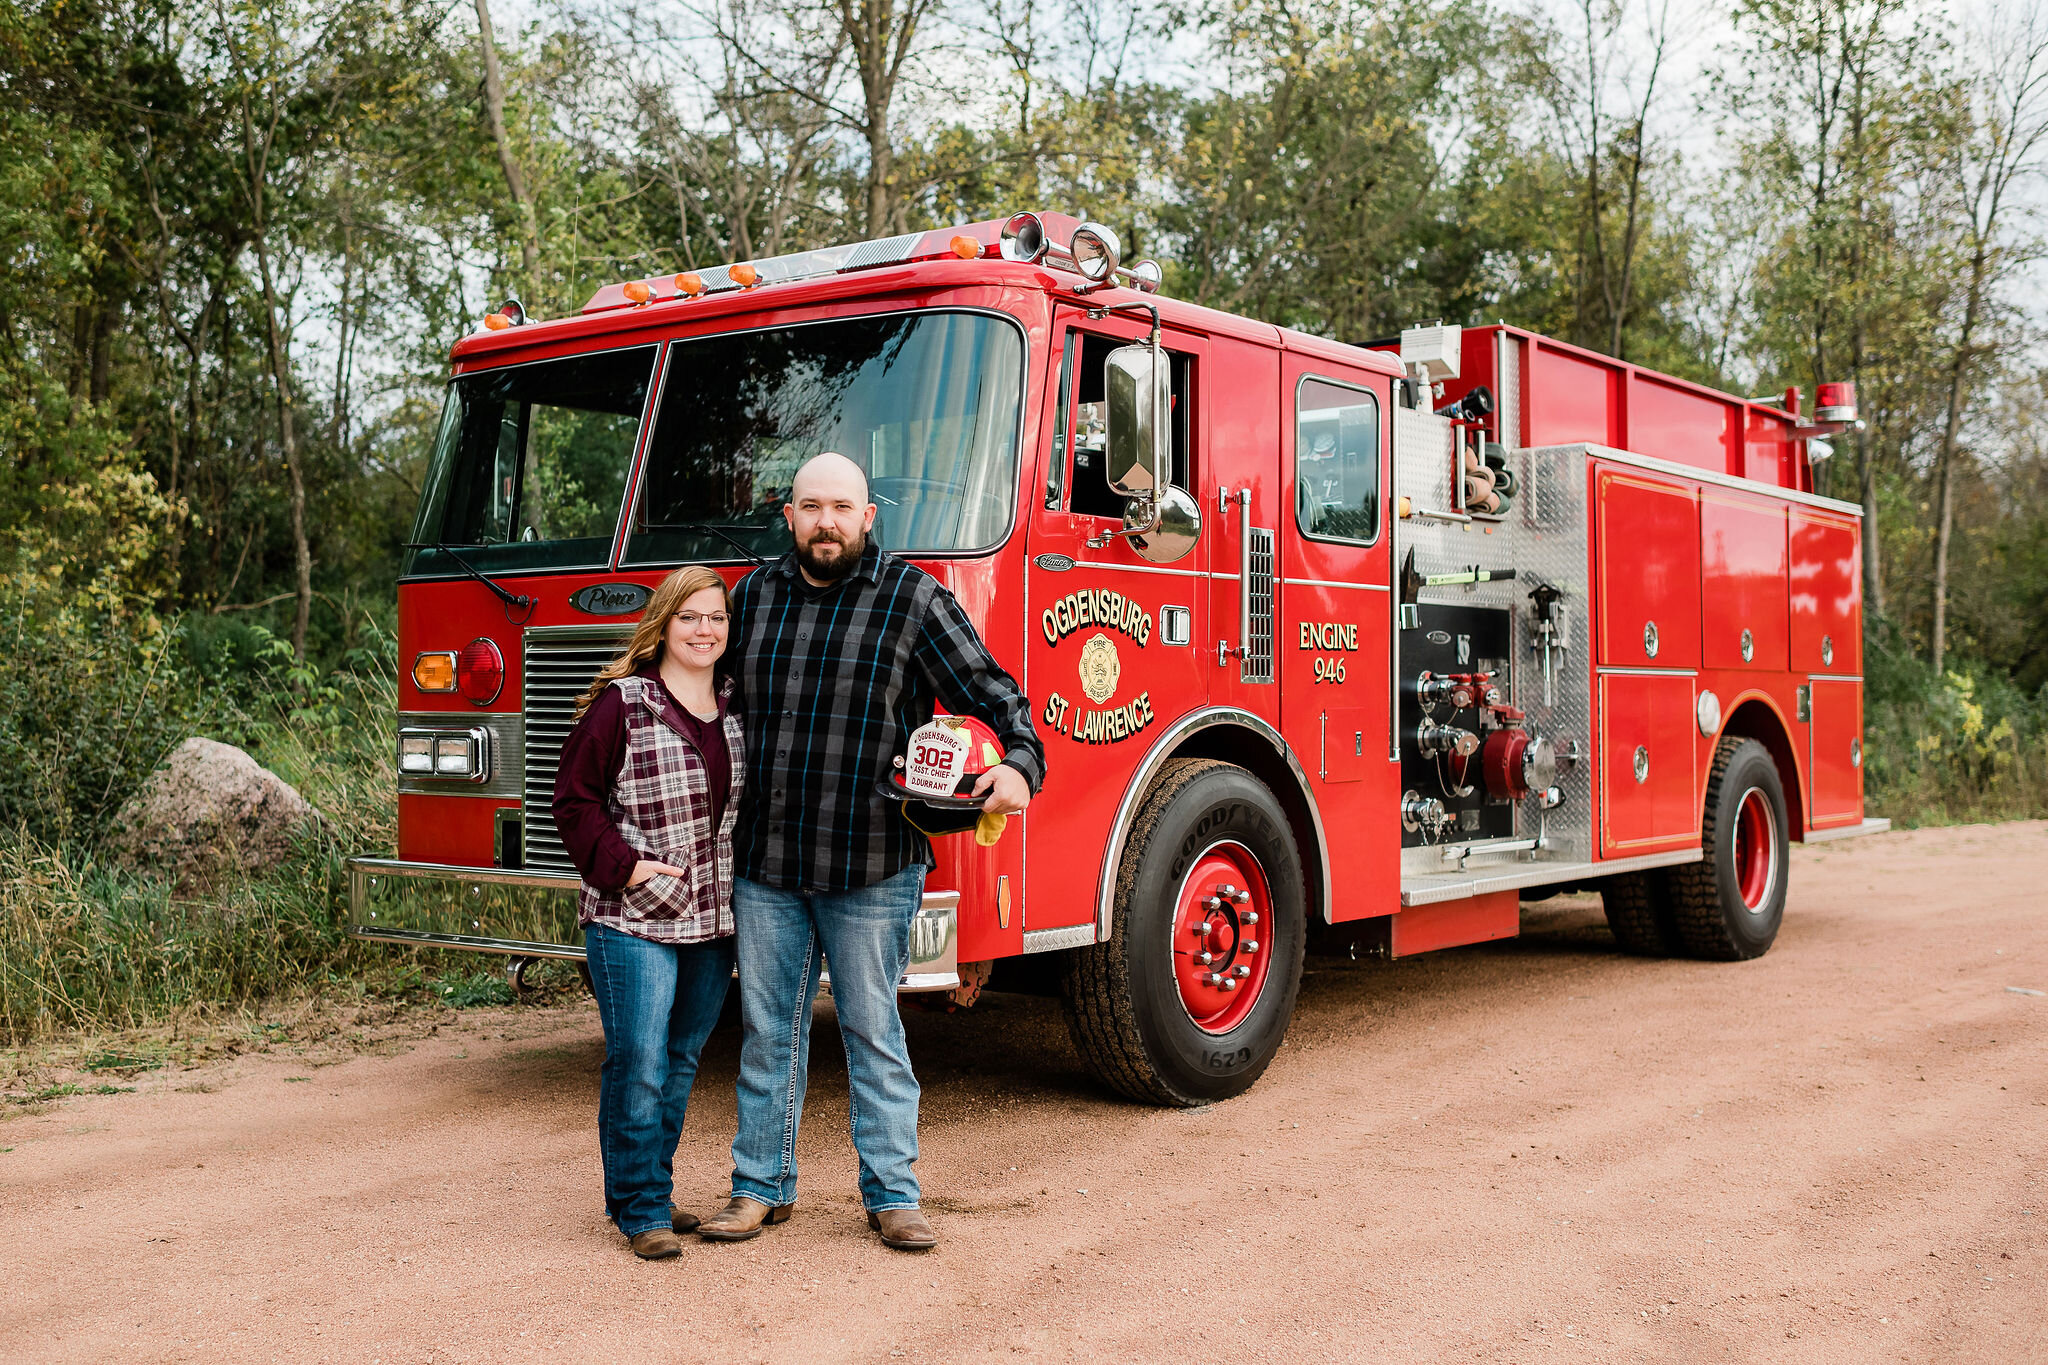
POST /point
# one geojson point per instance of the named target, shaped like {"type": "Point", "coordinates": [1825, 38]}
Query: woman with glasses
{"type": "Point", "coordinates": [645, 800]}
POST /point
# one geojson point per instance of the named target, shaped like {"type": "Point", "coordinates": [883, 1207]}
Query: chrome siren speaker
{"type": "Point", "coordinates": [1024, 239]}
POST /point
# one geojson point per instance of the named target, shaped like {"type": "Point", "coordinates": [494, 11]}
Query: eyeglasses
{"type": "Point", "coordinates": [689, 619]}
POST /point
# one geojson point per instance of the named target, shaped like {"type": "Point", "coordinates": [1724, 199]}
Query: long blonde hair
{"type": "Point", "coordinates": [645, 645]}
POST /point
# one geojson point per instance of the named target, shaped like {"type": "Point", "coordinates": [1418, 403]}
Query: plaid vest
{"type": "Point", "coordinates": [661, 807]}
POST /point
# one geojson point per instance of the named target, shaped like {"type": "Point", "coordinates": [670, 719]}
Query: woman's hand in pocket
{"type": "Point", "coordinates": [644, 870]}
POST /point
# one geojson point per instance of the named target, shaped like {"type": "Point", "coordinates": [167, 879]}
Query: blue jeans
{"type": "Point", "coordinates": [783, 936]}
{"type": "Point", "coordinates": [658, 1003]}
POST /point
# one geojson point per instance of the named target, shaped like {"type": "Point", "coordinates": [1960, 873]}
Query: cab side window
{"type": "Point", "coordinates": [1086, 431]}
{"type": "Point", "coordinates": [1336, 462]}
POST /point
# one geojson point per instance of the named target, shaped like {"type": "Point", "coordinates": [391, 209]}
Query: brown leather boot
{"type": "Point", "coordinates": [656, 1244]}
{"type": "Point", "coordinates": [742, 1218]}
{"type": "Point", "coordinates": [904, 1229]}
{"type": "Point", "coordinates": [682, 1222]}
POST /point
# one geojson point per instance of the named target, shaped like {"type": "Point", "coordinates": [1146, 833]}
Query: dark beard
{"type": "Point", "coordinates": [840, 565]}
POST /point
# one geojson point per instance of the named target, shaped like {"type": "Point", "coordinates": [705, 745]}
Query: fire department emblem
{"type": "Point", "coordinates": [1100, 667]}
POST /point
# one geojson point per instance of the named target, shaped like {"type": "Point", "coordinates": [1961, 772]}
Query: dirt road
{"type": "Point", "coordinates": [1537, 1150]}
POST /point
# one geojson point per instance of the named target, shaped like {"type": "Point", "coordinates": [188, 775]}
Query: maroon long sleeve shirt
{"type": "Point", "coordinates": [591, 759]}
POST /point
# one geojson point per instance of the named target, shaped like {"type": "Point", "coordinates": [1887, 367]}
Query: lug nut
{"type": "Point", "coordinates": [1212, 978]}
{"type": "Point", "coordinates": [1242, 970]}
{"type": "Point", "coordinates": [1241, 896]}
{"type": "Point", "coordinates": [1205, 958]}
{"type": "Point", "coordinates": [1250, 917]}
{"type": "Point", "coordinates": [1229, 983]}
{"type": "Point", "coordinates": [1213, 903]}
{"type": "Point", "coordinates": [1250, 945]}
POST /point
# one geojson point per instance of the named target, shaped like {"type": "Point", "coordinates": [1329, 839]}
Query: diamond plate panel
{"type": "Point", "coordinates": [1542, 537]}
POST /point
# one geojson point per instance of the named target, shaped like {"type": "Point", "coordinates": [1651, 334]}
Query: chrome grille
{"type": "Point", "coordinates": [559, 663]}
{"type": "Point", "coordinates": [1258, 606]}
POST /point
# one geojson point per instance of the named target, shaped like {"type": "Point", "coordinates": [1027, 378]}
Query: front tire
{"type": "Point", "coordinates": [1210, 868]}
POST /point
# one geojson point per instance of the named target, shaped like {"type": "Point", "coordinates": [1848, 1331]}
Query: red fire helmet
{"type": "Point", "coordinates": [942, 760]}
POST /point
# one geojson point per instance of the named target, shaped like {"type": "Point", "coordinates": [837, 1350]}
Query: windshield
{"type": "Point", "coordinates": [927, 403]}
{"type": "Point", "coordinates": [530, 465]}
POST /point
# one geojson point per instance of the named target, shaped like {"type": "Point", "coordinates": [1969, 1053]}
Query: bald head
{"type": "Point", "coordinates": [830, 474]}
{"type": "Point", "coordinates": [829, 517]}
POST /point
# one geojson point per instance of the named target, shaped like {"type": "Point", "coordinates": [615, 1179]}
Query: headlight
{"type": "Point", "coordinates": [463, 755]}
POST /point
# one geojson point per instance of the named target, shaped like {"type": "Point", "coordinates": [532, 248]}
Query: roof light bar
{"type": "Point", "coordinates": [1023, 237]}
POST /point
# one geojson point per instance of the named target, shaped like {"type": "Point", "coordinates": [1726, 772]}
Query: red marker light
{"type": "Point", "coordinates": [480, 671]}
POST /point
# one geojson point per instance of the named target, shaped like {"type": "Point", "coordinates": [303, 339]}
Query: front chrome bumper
{"type": "Point", "coordinates": [378, 911]}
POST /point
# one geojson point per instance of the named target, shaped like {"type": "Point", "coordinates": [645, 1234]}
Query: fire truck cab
{"type": "Point", "coordinates": [1392, 636]}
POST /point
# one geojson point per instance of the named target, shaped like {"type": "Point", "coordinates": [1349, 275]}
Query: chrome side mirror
{"type": "Point", "coordinates": [1177, 526]}
{"type": "Point", "coordinates": [1135, 384]}
{"type": "Point", "coordinates": [1163, 522]}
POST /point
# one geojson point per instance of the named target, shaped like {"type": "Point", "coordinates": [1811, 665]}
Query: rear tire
{"type": "Point", "coordinates": [1727, 907]}
{"type": "Point", "coordinates": [1149, 1019]}
{"type": "Point", "coordinates": [1635, 915]}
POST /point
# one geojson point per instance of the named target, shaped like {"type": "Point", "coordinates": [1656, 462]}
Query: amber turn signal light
{"type": "Point", "coordinates": [497, 322]}
{"type": "Point", "coordinates": [637, 291]}
{"type": "Point", "coordinates": [745, 276]}
{"type": "Point", "coordinates": [965, 247]}
{"type": "Point", "coordinates": [689, 286]}
{"type": "Point", "coordinates": [434, 671]}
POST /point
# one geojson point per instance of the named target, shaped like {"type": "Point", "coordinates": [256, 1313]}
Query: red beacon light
{"type": "Point", "coordinates": [1835, 402]}
{"type": "Point", "coordinates": [480, 671]}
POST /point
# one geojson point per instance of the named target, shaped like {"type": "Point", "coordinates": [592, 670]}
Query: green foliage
{"type": "Point", "coordinates": [1965, 745]}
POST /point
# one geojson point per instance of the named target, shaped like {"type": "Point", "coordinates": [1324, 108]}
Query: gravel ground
{"type": "Point", "coordinates": [1527, 1151]}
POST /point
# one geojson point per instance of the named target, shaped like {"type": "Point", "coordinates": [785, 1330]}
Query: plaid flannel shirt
{"type": "Point", "coordinates": [661, 806]}
{"type": "Point", "coordinates": [834, 680]}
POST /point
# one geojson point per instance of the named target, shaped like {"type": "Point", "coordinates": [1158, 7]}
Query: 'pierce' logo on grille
{"type": "Point", "coordinates": [610, 599]}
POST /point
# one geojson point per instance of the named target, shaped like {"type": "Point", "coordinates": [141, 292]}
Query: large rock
{"type": "Point", "coordinates": [209, 810]}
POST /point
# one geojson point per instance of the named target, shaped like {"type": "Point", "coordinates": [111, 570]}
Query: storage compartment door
{"type": "Point", "coordinates": [1648, 779]}
{"type": "Point", "coordinates": [1648, 565]}
{"type": "Point", "coordinates": [1743, 622]}
{"type": "Point", "coordinates": [1836, 760]}
{"type": "Point", "coordinates": [1827, 594]}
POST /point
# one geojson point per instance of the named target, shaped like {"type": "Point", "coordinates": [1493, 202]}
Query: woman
{"type": "Point", "coordinates": [645, 799]}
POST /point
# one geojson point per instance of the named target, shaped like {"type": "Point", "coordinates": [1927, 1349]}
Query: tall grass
{"type": "Point", "coordinates": [88, 945]}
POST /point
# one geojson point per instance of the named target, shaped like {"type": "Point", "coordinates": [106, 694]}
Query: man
{"type": "Point", "coordinates": [841, 651]}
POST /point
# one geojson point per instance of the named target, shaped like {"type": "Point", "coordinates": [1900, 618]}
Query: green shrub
{"type": "Point", "coordinates": [1967, 745]}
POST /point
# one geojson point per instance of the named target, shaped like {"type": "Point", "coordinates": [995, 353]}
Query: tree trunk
{"type": "Point", "coordinates": [1873, 569]}
{"type": "Point", "coordinates": [280, 373]}
{"type": "Point", "coordinates": [1943, 519]}
{"type": "Point", "coordinates": [494, 107]}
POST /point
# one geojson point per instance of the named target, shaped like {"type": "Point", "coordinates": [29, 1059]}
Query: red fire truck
{"type": "Point", "coordinates": [1390, 636]}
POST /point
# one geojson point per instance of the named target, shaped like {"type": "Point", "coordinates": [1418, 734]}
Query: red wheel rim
{"type": "Point", "coordinates": [1224, 912]}
{"type": "Point", "coordinates": [1756, 850]}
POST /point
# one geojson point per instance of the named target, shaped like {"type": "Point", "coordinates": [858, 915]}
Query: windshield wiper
{"type": "Point", "coordinates": [513, 601]}
{"type": "Point", "coordinates": [706, 529]}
